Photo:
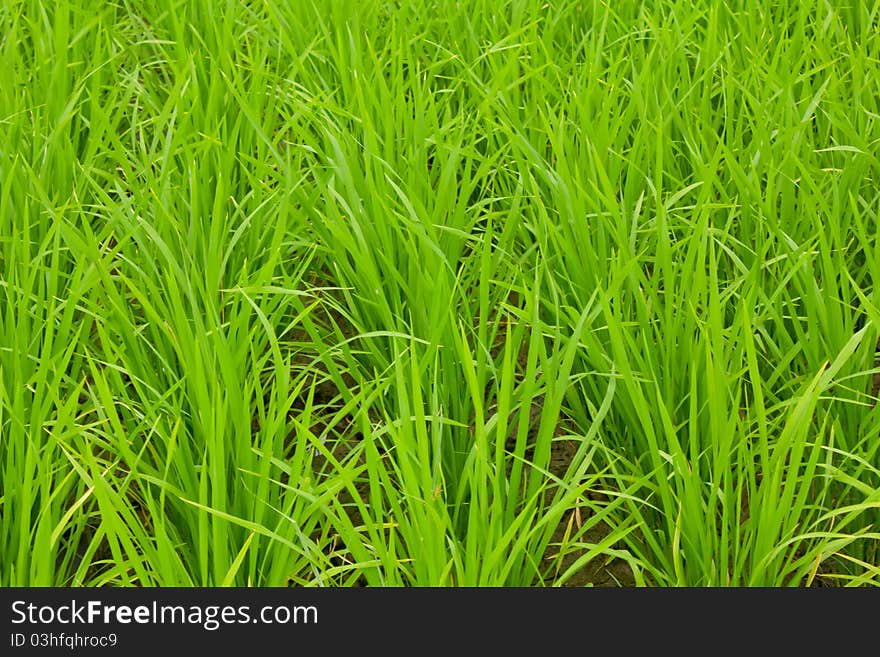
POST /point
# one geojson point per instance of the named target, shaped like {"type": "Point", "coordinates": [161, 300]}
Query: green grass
{"type": "Point", "coordinates": [434, 293]}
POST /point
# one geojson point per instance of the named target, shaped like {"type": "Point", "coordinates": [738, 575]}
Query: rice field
{"type": "Point", "coordinates": [435, 293]}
